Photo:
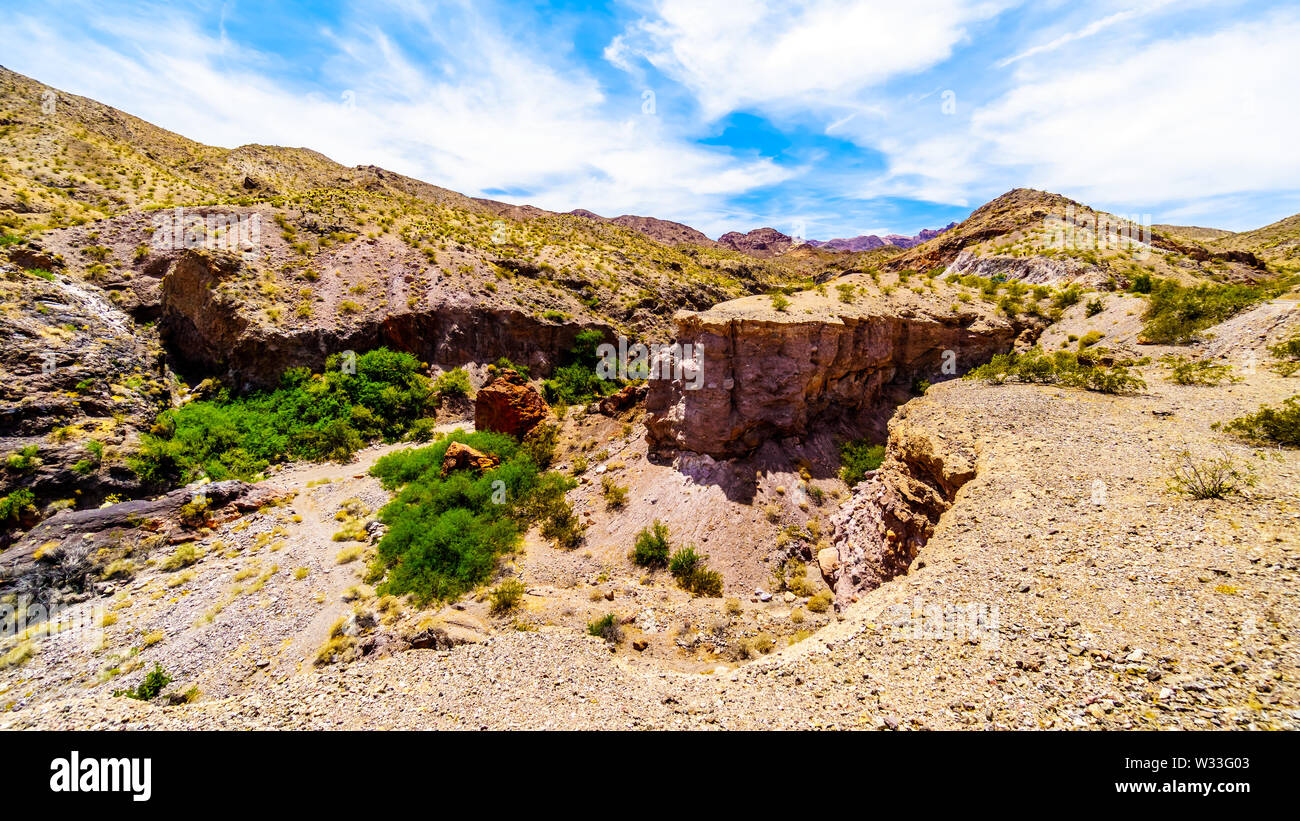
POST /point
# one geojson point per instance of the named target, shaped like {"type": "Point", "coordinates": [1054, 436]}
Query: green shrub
{"type": "Point", "coordinates": [152, 685]}
{"type": "Point", "coordinates": [1175, 313]}
{"type": "Point", "coordinates": [1280, 426]}
{"type": "Point", "coordinates": [422, 430]}
{"type": "Point", "coordinates": [1094, 307]}
{"type": "Point", "coordinates": [540, 444]}
{"type": "Point", "coordinates": [1288, 355]}
{"type": "Point", "coordinates": [445, 533]}
{"type": "Point", "coordinates": [24, 459]}
{"type": "Point", "coordinates": [184, 556]}
{"type": "Point", "coordinates": [13, 506]}
{"type": "Point", "coordinates": [577, 382]}
{"type": "Point", "coordinates": [504, 364]}
{"type": "Point", "coordinates": [1185, 371]}
{"type": "Point", "coordinates": [607, 628]}
{"type": "Point", "coordinates": [452, 383]}
{"type": "Point", "coordinates": [506, 596]}
{"type": "Point", "coordinates": [652, 546]}
{"type": "Point", "coordinates": [821, 602]}
{"type": "Point", "coordinates": [614, 493]}
{"type": "Point", "coordinates": [688, 568]}
{"type": "Point", "coordinates": [1214, 478]}
{"type": "Point", "coordinates": [310, 416]}
{"type": "Point", "coordinates": [857, 458]}
{"type": "Point", "coordinates": [1060, 367]}
{"type": "Point", "coordinates": [1066, 298]}
{"type": "Point", "coordinates": [1090, 338]}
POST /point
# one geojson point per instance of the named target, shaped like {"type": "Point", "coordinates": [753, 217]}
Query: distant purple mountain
{"type": "Point", "coordinates": [870, 242]}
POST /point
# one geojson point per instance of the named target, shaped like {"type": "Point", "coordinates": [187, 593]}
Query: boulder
{"type": "Point", "coordinates": [616, 403]}
{"type": "Point", "coordinates": [828, 559]}
{"type": "Point", "coordinates": [508, 404]}
{"type": "Point", "coordinates": [462, 457]}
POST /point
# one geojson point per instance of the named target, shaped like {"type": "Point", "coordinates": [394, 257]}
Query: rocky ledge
{"type": "Point", "coordinates": [760, 373]}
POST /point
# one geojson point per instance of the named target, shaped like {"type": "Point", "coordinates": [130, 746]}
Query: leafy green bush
{"type": "Point", "coordinates": [24, 459]}
{"type": "Point", "coordinates": [1090, 338]}
{"type": "Point", "coordinates": [13, 506]}
{"type": "Point", "coordinates": [1280, 426]}
{"type": "Point", "coordinates": [310, 416]}
{"type": "Point", "coordinates": [452, 383]}
{"type": "Point", "coordinates": [1065, 298]}
{"type": "Point", "coordinates": [445, 533]}
{"type": "Point", "coordinates": [506, 596]}
{"type": "Point", "coordinates": [1288, 355]}
{"type": "Point", "coordinates": [148, 689]}
{"type": "Point", "coordinates": [422, 430]}
{"type": "Point", "coordinates": [857, 458]}
{"type": "Point", "coordinates": [651, 546]}
{"type": "Point", "coordinates": [607, 628]}
{"type": "Point", "coordinates": [1185, 371]}
{"type": "Point", "coordinates": [1060, 367]}
{"type": "Point", "coordinates": [1141, 284]}
{"type": "Point", "coordinates": [688, 568]}
{"type": "Point", "coordinates": [577, 382]}
{"type": "Point", "coordinates": [1094, 307]}
{"type": "Point", "coordinates": [504, 364]}
{"type": "Point", "coordinates": [614, 493]}
{"type": "Point", "coordinates": [1175, 314]}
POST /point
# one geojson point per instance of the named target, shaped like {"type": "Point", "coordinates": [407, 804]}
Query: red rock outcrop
{"type": "Point", "coordinates": [461, 457]}
{"type": "Point", "coordinates": [624, 399]}
{"type": "Point", "coordinates": [508, 404]}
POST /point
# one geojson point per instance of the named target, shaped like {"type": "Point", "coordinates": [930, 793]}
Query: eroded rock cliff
{"type": "Point", "coordinates": [222, 335]}
{"type": "Point", "coordinates": [760, 373]}
{"type": "Point", "coordinates": [890, 516]}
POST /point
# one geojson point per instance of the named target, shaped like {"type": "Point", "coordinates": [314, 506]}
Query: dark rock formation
{"type": "Point", "coordinates": [508, 404]}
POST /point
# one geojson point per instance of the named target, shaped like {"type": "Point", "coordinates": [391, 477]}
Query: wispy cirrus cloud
{"type": "Point", "coordinates": [1092, 28]}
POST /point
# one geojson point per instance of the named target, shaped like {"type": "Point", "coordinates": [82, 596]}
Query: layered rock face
{"type": "Point", "coordinates": [1032, 270]}
{"type": "Point", "coordinates": [78, 380]}
{"type": "Point", "coordinates": [765, 374]}
{"type": "Point", "coordinates": [893, 512]}
{"type": "Point", "coordinates": [217, 334]}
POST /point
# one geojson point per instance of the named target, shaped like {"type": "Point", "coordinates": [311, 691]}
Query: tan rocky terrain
{"type": "Point", "coordinates": [1066, 587]}
{"type": "Point", "coordinates": [1038, 236]}
{"type": "Point", "coordinates": [1021, 555]}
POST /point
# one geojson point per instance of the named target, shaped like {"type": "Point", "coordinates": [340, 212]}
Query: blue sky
{"type": "Point", "coordinates": [822, 118]}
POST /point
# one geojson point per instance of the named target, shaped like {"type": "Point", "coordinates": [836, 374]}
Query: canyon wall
{"type": "Point", "coordinates": [764, 374]}
{"type": "Point", "coordinates": [880, 529]}
{"type": "Point", "coordinates": [217, 335]}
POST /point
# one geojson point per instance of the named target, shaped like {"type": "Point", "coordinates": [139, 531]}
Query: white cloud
{"type": "Point", "coordinates": [1089, 30]}
{"type": "Point", "coordinates": [1190, 117]}
{"type": "Point", "coordinates": [777, 54]}
{"type": "Point", "coordinates": [1185, 125]}
{"type": "Point", "coordinates": [485, 113]}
